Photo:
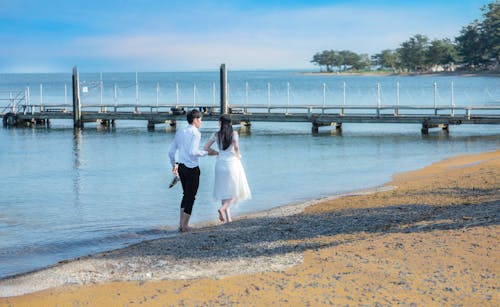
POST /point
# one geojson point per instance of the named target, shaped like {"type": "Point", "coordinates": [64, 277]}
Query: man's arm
{"type": "Point", "coordinates": [195, 146]}
{"type": "Point", "coordinates": [211, 152]}
{"type": "Point", "coordinates": [171, 152]}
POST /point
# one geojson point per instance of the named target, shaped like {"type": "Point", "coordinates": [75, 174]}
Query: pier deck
{"type": "Point", "coordinates": [427, 116]}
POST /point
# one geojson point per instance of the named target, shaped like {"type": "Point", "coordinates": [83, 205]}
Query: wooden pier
{"type": "Point", "coordinates": [318, 116]}
{"type": "Point", "coordinates": [26, 114]}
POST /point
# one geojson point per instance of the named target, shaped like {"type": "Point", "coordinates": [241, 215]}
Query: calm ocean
{"type": "Point", "coordinates": [65, 194]}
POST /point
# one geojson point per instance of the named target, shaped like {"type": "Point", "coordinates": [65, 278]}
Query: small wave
{"type": "Point", "coordinates": [25, 258]}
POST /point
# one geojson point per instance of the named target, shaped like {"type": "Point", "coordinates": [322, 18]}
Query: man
{"type": "Point", "coordinates": [187, 143]}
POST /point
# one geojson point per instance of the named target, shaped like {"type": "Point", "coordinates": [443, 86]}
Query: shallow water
{"type": "Point", "coordinates": [66, 194]}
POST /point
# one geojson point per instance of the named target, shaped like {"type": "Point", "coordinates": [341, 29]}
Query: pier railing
{"type": "Point", "coordinates": [244, 109]}
{"type": "Point", "coordinates": [263, 112]}
{"type": "Point", "coordinates": [106, 114]}
{"type": "Point", "coordinates": [346, 110]}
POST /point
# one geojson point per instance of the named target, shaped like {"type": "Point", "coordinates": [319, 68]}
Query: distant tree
{"type": "Point", "coordinates": [479, 42]}
{"type": "Point", "coordinates": [323, 59]}
{"type": "Point", "coordinates": [471, 46]}
{"type": "Point", "coordinates": [349, 59]}
{"type": "Point", "coordinates": [412, 53]}
{"type": "Point", "coordinates": [443, 53]}
{"type": "Point", "coordinates": [363, 62]}
{"type": "Point", "coordinates": [340, 60]}
{"type": "Point", "coordinates": [385, 59]}
{"type": "Point", "coordinates": [491, 31]}
{"type": "Point", "coordinates": [337, 60]}
{"type": "Point", "coordinates": [316, 60]}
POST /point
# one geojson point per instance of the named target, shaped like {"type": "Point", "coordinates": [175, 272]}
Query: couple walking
{"type": "Point", "coordinates": [230, 180]}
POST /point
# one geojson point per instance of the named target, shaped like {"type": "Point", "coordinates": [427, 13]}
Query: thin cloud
{"type": "Point", "coordinates": [187, 35]}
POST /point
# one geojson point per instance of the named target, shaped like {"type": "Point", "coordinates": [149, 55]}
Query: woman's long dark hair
{"type": "Point", "coordinates": [225, 134]}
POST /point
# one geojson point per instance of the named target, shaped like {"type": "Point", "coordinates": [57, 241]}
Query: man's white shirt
{"type": "Point", "coordinates": [187, 142]}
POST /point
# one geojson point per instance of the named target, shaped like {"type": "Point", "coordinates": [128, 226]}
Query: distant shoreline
{"type": "Point", "coordinates": [386, 74]}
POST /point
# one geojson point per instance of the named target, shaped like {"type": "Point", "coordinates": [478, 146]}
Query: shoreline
{"type": "Point", "coordinates": [305, 235]}
{"type": "Point", "coordinates": [280, 211]}
{"type": "Point", "coordinates": [392, 74]}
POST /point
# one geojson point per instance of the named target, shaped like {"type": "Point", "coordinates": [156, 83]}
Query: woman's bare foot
{"type": "Point", "coordinates": [228, 216]}
{"type": "Point", "coordinates": [221, 217]}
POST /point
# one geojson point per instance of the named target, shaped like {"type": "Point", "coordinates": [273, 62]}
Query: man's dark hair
{"type": "Point", "coordinates": [192, 115]}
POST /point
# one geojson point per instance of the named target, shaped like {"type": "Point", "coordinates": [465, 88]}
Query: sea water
{"type": "Point", "coordinates": [66, 193]}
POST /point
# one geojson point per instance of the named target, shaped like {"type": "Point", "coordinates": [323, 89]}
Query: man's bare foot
{"type": "Point", "coordinates": [185, 229]}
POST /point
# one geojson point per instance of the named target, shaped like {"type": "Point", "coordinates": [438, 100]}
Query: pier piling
{"type": "Point", "coordinates": [223, 90]}
{"type": "Point", "coordinates": [77, 116]}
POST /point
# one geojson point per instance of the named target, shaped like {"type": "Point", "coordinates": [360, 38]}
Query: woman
{"type": "Point", "coordinates": [231, 184]}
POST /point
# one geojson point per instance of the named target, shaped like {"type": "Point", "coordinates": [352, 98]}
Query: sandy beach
{"type": "Point", "coordinates": [429, 237]}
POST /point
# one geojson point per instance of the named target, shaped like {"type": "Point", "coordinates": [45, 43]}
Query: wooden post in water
{"type": "Point", "coordinates": [223, 90]}
{"type": "Point", "coordinates": [77, 115]}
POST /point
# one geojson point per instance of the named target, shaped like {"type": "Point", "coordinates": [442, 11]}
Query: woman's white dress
{"type": "Point", "coordinates": [230, 179]}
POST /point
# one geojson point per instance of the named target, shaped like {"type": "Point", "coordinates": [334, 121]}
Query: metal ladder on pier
{"type": "Point", "coordinates": [17, 102]}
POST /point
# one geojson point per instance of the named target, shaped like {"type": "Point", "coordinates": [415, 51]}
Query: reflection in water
{"type": "Point", "coordinates": [243, 130]}
{"type": "Point", "coordinates": [77, 164]}
{"type": "Point", "coordinates": [437, 135]}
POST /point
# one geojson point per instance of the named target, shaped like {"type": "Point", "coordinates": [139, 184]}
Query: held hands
{"type": "Point", "coordinates": [175, 170]}
{"type": "Point", "coordinates": [212, 152]}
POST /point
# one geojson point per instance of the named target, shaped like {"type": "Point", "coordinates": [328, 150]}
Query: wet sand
{"type": "Point", "coordinates": [429, 237]}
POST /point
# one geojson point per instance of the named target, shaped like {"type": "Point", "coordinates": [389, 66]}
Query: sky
{"type": "Point", "coordinates": [186, 35]}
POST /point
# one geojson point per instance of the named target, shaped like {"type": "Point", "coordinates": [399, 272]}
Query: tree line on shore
{"type": "Point", "coordinates": [477, 48]}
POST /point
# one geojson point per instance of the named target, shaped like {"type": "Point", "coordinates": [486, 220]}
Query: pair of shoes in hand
{"type": "Point", "coordinates": [174, 181]}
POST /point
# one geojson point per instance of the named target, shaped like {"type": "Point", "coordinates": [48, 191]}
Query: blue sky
{"type": "Point", "coordinates": [156, 35]}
